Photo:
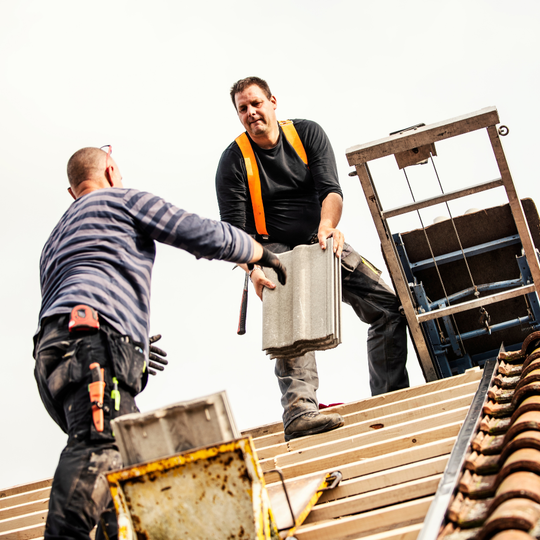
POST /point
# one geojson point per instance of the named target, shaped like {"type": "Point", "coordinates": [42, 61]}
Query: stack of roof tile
{"type": "Point", "coordinates": [305, 314]}
{"type": "Point", "coordinates": [499, 491]}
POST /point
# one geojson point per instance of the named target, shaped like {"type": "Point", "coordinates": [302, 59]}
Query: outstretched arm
{"type": "Point", "coordinates": [264, 257]}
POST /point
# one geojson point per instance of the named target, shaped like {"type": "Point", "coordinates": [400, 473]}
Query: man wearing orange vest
{"type": "Point", "coordinates": [278, 181]}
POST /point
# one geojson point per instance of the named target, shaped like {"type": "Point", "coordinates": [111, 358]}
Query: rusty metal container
{"type": "Point", "coordinates": [212, 492]}
{"type": "Point", "coordinates": [204, 421]}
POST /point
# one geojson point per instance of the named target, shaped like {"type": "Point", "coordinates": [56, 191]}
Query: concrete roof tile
{"type": "Point", "coordinates": [525, 439]}
{"type": "Point", "coordinates": [521, 514]}
{"type": "Point", "coordinates": [532, 389]}
{"type": "Point", "coordinates": [522, 484]}
{"type": "Point", "coordinates": [512, 534]}
{"type": "Point", "coordinates": [305, 314]}
{"type": "Point", "coordinates": [528, 421]}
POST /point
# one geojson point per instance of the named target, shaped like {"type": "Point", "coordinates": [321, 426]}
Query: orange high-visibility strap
{"type": "Point", "coordinates": [254, 182]}
{"type": "Point", "coordinates": [292, 136]}
{"type": "Point", "coordinates": [252, 169]}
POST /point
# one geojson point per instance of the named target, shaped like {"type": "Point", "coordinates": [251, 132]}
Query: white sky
{"type": "Point", "coordinates": [152, 79]}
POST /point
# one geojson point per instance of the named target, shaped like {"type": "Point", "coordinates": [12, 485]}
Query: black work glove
{"type": "Point", "coordinates": [271, 260]}
{"type": "Point", "coordinates": [156, 356]}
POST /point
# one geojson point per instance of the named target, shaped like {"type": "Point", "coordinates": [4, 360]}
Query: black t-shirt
{"type": "Point", "coordinates": [292, 192]}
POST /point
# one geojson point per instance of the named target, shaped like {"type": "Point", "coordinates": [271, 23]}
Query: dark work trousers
{"type": "Point", "coordinates": [375, 304]}
{"type": "Point", "coordinates": [80, 495]}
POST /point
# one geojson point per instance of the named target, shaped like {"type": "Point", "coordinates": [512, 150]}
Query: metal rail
{"type": "Point", "coordinates": [447, 487]}
{"type": "Point", "coordinates": [450, 196]}
{"type": "Point", "coordinates": [471, 304]}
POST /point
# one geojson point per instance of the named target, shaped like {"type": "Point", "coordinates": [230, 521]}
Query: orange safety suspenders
{"type": "Point", "coordinates": [254, 183]}
{"type": "Point", "coordinates": [292, 136]}
{"type": "Point", "coordinates": [254, 180]}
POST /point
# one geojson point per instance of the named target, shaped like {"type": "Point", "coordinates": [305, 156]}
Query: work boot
{"type": "Point", "coordinates": [311, 423]}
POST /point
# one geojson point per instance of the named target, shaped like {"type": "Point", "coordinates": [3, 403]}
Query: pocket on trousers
{"type": "Point", "coordinates": [128, 361]}
{"type": "Point", "coordinates": [68, 372]}
{"type": "Point", "coordinates": [351, 260]}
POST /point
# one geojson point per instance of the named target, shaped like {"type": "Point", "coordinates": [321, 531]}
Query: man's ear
{"type": "Point", "coordinates": [71, 193]}
{"type": "Point", "coordinates": [274, 101]}
{"type": "Point", "coordinates": [109, 175]}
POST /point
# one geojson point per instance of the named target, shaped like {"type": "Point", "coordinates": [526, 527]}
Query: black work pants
{"type": "Point", "coordinates": [80, 495]}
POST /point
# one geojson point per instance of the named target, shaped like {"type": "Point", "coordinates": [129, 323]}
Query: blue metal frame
{"type": "Point", "coordinates": [441, 343]}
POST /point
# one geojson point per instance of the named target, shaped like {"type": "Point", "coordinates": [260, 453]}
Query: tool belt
{"type": "Point", "coordinates": [125, 357]}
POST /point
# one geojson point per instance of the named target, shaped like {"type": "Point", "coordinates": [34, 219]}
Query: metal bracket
{"type": "Point", "coordinates": [278, 471]}
{"type": "Point", "coordinates": [336, 478]}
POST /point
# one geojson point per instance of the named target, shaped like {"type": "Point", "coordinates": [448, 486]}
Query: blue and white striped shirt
{"type": "Point", "coordinates": [102, 251]}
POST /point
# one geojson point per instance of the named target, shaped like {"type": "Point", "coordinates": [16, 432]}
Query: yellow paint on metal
{"type": "Point", "coordinates": [219, 486]}
{"type": "Point", "coordinates": [301, 517]}
{"type": "Point", "coordinates": [305, 512]}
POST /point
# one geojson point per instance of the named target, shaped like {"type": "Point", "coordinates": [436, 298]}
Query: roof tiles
{"type": "Point", "coordinates": [498, 494]}
{"type": "Point", "coordinates": [304, 315]}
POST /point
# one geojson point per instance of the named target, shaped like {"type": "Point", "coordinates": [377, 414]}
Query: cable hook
{"type": "Point", "coordinates": [485, 319]}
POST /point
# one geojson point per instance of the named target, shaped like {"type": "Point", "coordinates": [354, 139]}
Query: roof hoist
{"type": "Point", "coordinates": [466, 283]}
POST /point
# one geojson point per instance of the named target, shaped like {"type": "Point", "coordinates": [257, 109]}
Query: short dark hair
{"type": "Point", "coordinates": [83, 163]}
{"type": "Point", "coordinates": [242, 84]}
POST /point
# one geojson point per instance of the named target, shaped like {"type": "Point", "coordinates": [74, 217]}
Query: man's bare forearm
{"type": "Point", "coordinates": [331, 210]}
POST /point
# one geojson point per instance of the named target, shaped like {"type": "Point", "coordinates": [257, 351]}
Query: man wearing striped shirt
{"type": "Point", "coordinates": [101, 254]}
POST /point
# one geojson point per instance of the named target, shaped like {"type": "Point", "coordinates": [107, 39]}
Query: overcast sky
{"type": "Point", "coordinates": [153, 79]}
